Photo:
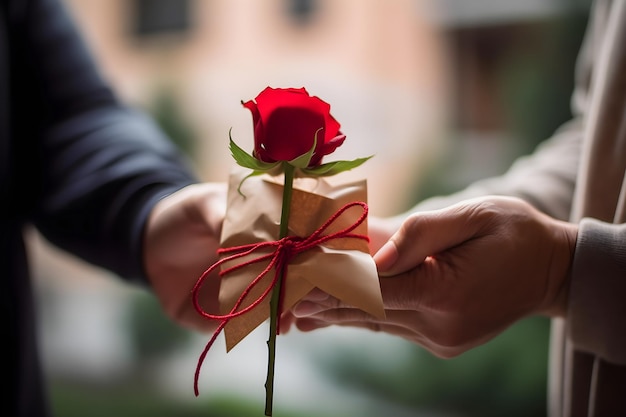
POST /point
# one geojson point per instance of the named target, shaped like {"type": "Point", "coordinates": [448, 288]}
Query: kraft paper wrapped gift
{"type": "Point", "coordinates": [342, 267]}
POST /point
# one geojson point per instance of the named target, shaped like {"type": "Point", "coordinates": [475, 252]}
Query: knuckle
{"type": "Point", "coordinates": [452, 339]}
{"type": "Point", "coordinates": [450, 353]}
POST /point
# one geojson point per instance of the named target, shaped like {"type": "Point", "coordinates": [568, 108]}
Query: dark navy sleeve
{"type": "Point", "coordinates": [89, 168]}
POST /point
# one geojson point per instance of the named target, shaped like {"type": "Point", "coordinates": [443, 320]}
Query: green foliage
{"type": "Point", "coordinates": [168, 115]}
{"type": "Point", "coordinates": [258, 167]}
{"type": "Point", "coordinates": [532, 85]}
{"type": "Point", "coordinates": [245, 160]}
{"type": "Point", "coordinates": [152, 334]}
{"type": "Point", "coordinates": [536, 87]}
{"type": "Point", "coordinates": [505, 377]}
{"type": "Point", "coordinates": [132, 399]}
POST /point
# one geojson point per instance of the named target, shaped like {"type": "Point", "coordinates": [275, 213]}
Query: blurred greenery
{"type": "Point", "coordinates": [128, 398]}
{"type": "Point", "coordinates": [165, 109]}
{"type": "Point", "coordinates": [534, 80]}
{"type": "Point", "coordinates": [535, 83]}
{"type": "Point", "coordinates": [151, 333]}
{"type": "Point", "coordinates": [153, 336]}
{"type": "Point", "coordinates": [505, 377]}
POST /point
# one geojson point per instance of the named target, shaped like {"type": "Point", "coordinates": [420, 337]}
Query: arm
{"type": "Point", "coordinates": [89, 169]}
{"type": "Point", "coordinates": [99, 179]}
{"type": "Point", "coordinates": [454, 278]}
{"type": "Point", "coordinates": [588, 267]}
{"type": "Point", "coordinates": [545, 179]}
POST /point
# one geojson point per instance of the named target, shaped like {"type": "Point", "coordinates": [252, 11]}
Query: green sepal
{"type": "Point", "coordinates": [246, 160]}
{"type": "Point", "coordinates": [252, 174]}
{"type": "Point", "coordinates": [335, 167]}
{"type": "Point", "coordinates": [303, 160]}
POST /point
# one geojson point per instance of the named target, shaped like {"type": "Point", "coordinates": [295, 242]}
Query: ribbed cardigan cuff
{"type": "Point", "coordinates": [597, 297]}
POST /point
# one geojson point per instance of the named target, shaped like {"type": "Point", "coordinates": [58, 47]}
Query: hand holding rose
{"type": "Point", "coordinates": [181, 237]}
{"type": "Point", "coordinates": [452, 279]}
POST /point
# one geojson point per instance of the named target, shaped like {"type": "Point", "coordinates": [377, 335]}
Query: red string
{"type": "Point", "coordinates": [284, 250]}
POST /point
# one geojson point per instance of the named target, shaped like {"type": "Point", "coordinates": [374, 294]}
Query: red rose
{"type": "Point", "coordinates": [285, 123]}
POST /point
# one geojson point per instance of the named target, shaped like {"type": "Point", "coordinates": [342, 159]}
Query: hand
{"type": "Point", "coordinates": [454, 278]}
{"type": "Point", "coordinates": [181, 239]}
{"type": "Point", "coordinates": [379, 231]}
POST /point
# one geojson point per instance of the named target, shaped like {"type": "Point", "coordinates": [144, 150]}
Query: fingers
{"type": "Point", "coordinates": [387, 256]}
{"type": "Point", "coordinates": [420, 329]}
{"type": "Point", "coordinates": [458, 276]}
{"type": "Point", "coordinates": [287, 319]}
{"type": "Point", "coordinates": [401, 292]}
{"type": "Point", "coordinates": [400, 323]}
{"type": "Point", "coordinates": [408, 333]}
{"type": "Point", "coordinates": [340, 313]}
{"type": "Point", "coordinates": [422, 235]}
{"type": "Point", "coordinates": [380, 230]}
{"type": "Point", "coordinates": [321, 310]}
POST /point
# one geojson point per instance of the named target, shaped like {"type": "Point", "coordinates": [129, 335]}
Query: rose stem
{"type": "Point", "coordinates": [275, 300]}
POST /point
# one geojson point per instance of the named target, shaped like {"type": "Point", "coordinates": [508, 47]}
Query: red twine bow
{"type": "Point", "coordinates": [284, 250]}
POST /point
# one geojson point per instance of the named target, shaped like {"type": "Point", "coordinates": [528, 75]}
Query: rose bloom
{"type": "Point", "coordinates": [285, 123]}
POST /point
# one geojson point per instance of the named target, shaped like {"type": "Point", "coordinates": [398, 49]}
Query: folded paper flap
{"type": "Point", "coordinates": [345, 274]}
{"type": "Point", "coordinates": [254, 214]}
{"type": "Point", "coordinates": [310, 211]}
{"type": "Point", "coordinates": [342, 267]}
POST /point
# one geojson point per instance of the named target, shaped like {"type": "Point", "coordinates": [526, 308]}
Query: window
{"type": "Point", "coordinates": [153, 17]}
{"type": "Point", "coordinates": [301, 12]}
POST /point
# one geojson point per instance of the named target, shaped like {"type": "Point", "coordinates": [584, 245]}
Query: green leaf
{"type": "Point", "coordinates": [332, 168]}
{"type": "Point", "coordinates": [252, 174]}
{"type": "Point", "coordinates": [303, 160]}
{"type": "Point", "coordinates": [248, 161]}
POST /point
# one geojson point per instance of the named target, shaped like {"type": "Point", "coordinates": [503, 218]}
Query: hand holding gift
{"type": "Point", "coordinates": [288, 230]}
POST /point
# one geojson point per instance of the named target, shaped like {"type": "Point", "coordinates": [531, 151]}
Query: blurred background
{"type": "Point", "coordinates": [442, 92]}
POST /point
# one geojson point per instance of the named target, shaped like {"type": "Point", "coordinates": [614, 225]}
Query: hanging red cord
{"type": "Point", "coordinates": [284, 250]}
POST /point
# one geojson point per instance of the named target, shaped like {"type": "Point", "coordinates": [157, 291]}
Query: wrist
{"type": "Point", "coordinates": [560, 270]}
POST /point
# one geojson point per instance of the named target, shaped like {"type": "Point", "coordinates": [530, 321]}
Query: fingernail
{"type": "Point", "coordinates": [305, 308]}
{"type": "Point", "coordinates": [317, 295]}
{"type": "Point", "coordinates": [386, 257]}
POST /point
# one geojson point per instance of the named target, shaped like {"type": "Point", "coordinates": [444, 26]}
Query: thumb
{"type": "Point", "coordinates": [422, 235]}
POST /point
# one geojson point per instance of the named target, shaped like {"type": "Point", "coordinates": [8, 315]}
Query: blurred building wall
{"type": "Point", "coordinates": [380, 64]}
